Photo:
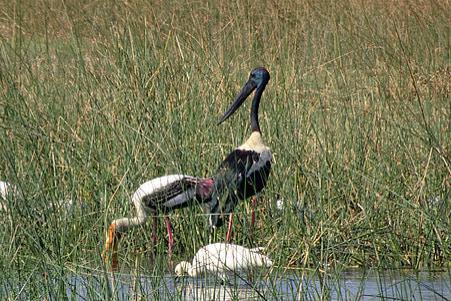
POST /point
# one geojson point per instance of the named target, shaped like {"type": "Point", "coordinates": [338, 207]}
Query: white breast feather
{"type": "Point", "coordinates": [265, 157]}
{"type": "Point", "coordinates": [255, 144]}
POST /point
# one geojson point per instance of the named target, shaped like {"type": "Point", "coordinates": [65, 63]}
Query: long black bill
{"type": "Point", "coordinates": [241, 97]}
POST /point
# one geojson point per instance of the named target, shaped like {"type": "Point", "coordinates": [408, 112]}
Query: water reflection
{"type": "Point", "coordinates": [351, 285]}
{"type": "Point", "coordinates": [200, 290]}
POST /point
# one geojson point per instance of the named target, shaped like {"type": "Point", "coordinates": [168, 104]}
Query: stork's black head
{"type": "Point", "coordinates": [258, 79]}
{"type": "Point", "coordinates": [260, 76]}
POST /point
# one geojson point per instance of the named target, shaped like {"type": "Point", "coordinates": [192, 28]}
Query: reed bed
{"type": "Point", "coordinates": [97, 97]}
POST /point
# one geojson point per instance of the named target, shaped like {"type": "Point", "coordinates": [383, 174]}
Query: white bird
{"type": "Point", "coordinates": [162, 194]}
{"type": "Point", "coordinates": [6, 190]}
{"type": "Point", "coordinates": [280, 204]}
{"type": "Point", "coordinates": [222, 259]}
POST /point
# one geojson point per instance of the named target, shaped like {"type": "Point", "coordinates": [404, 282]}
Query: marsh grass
{"type": "Point", "coordinates": [97, 98]}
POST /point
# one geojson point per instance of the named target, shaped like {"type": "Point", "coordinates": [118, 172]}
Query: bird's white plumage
{"type": "Point", "coordinates": [146, 189]}
{"type": "Point", "coordinates": [265, 157]}
{"type": "Point", "coordinates": [151, 186]}
{"type": "Point", "coordinates": [255, 143]}
{"type": "Point", "coordinates": [223, 258]}
{"type": "Point", "coordinates": [279, 204]}
{"type": "Point", "coordinates": [181, 198]}
{"type": "Point", "coordinates": [8, 190]}
{"type": "Point", "coordinates": [5, 189]}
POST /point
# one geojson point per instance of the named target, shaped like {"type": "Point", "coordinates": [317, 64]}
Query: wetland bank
{"type": "Point", "coordinates": [98, 97]}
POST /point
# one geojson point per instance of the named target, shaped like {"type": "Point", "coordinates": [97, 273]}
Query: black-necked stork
{"type": "Point", "coordinates": [160, 195]}
{"type": "Point", "coordinates": [245, 171]}
{"type": "Point", "coordinates": [242, 174]}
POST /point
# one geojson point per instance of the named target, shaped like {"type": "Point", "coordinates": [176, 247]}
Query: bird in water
{"type": "Point", "coordinates": [160, 195]}
{"type": "Point", "coordinates": [242, 174]}
{"type": "Point", "coordinates": [245, 171]}
{"type": "Point", "coordinates": [222, 259]}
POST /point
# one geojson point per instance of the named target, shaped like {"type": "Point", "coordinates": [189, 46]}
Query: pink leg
{"type": "Point", "coordinates": [229, 228]}
{"type": "Point", "coordinates": [170, 238]}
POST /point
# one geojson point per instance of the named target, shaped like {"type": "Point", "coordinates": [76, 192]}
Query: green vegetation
{"type": "Point", "coordinates": [97, 97]}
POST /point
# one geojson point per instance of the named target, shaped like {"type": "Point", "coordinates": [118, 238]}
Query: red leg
{"type": "Point", "coordinates": [170, 238]}
{"type": "Point", "coordinates": [229, 228]}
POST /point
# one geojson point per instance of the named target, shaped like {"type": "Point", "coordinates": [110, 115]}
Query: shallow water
{"type": "Point", "coordinates": [350, 285]}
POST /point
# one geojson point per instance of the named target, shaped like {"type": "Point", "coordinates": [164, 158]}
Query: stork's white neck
{"type": "Point", "coordinates": [124, 224]}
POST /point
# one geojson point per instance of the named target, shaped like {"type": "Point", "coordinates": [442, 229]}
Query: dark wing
{"type": "Point", "coordinates": [232, 172]}
{"type": "Point", "coordinates": [241, 175]}
{"type": "Point", "coordinates": [169, 193]}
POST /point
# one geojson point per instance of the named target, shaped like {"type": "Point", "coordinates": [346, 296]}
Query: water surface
{"type": "Point", "coordinates": [349, 285]}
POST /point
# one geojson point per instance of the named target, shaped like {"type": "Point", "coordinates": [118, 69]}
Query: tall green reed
{"type": "Point", "coordinates": [97, 98]}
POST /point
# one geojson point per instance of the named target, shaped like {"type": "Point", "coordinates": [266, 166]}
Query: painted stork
{"type": "Point", "coordinates": [162, 194]}
{"type": "Point", "coordinates": [245, 171]}
{"type": "Point", "coordinates": [241, 175]}
{"type": "Point", "coordinates": [222, 259]}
